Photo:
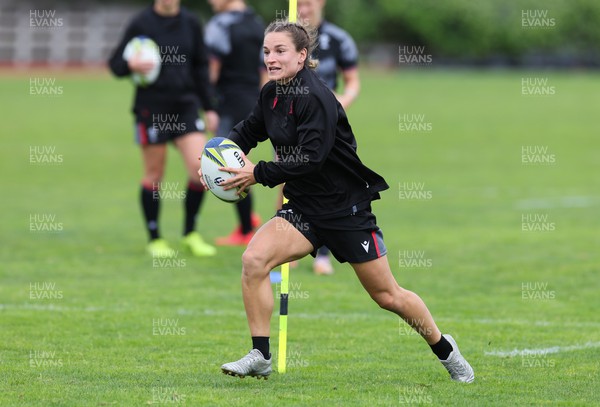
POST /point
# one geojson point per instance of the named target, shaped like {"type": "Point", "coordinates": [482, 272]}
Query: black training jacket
{"type": "Point", "coordinates": [184, 71]}
{"type": "Point", "coordinates": [315, 148]}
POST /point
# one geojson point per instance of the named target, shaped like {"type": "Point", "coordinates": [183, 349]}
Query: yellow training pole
{"type": "Point", "coordinates": [293, 12]}
{"type": "Point", "coordinates": [283, 314]}
{"type": "Point", "coordinates": [285, 268]}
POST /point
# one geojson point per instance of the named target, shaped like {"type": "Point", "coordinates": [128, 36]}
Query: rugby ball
{"type": "Point", "coordinates": [147, 50]}
{"type": "Point", "coordinates": [221, 152]}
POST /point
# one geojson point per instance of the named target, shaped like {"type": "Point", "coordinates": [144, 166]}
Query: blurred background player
{"type": "Point", "coordinates": [167, 110]}
{"type": "Point", "coordinates": [234, 38]}
{"type": "Point", "coordinates": [337, 53]}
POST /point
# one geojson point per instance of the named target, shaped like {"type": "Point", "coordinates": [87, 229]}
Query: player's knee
{"type": "Point", "coordinates": [253, 262]}
{"type": "Point", "coordinates": [394, 299]}
{"type": "Point", "coordinates": [385, 299]}
{"type": "Point", "coordinates": [152, 178]}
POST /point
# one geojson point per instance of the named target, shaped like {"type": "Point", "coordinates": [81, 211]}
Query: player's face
{"type": "Point", "coordinates": [218, 5]}
{"type": "Point", "coordinates": [311, 11]}
{"type": "Point", "coordinates": [167, 6]}
{"type": "Point", "coordinates": [281, 58]}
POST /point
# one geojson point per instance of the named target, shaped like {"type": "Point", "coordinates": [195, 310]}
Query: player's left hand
{"type": "Point", "coordinates": [202, 178]}
{"type": "Point", "coordinates": [244, 177]}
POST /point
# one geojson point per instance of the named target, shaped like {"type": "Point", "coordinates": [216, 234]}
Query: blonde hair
{"type": "Point", "coordinates": [302, 37]}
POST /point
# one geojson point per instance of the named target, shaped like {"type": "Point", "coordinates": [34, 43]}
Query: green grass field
{"type": "Point", "coordinates": [503, 249]}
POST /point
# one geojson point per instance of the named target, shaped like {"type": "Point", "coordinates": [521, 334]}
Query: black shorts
{"type": "Point", "coordinates": [160, 124]}
{"type": "Point", "coordinates": [353, 239]}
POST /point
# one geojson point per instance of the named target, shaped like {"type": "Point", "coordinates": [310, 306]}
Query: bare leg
{"type": "Point", "coordinates": [190, 146]}
{"type": "Point", "coordinates": [154, 157]}
{"type": "Point", "coordinates": [377, 278]}
{"type": "Point", "coordinates": [275, 243]}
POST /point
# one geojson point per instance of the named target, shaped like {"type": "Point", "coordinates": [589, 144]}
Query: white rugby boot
{"type": "Point", "coordinates": [253, 364]}
{"type": "Point", "coordinates": [460, 370]}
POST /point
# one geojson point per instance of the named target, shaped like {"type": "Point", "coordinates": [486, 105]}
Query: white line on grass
{"type": "Point", "coordinates": [558, 202]}
{"type": "Point", "coordinates": [508, 321]}
{"type": "Point", "coordinates": [345, 316]}
{"type": "Point", "coordinates": [341, 316]}
{"type": "Point", "coordinates": [50, 307]}
{"type": "Point", "coordinates": [543, 351]}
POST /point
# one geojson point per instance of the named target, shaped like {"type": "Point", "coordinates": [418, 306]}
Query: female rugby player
{"type": "Point", "coordinates": [167, 110]}
{"type": "Point", "coordinates": [330, 192]}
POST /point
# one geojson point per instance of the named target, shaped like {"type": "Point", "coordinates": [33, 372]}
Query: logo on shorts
{"type": "Point", "coordinates": [200, 126]}
{"type": "Point", "coordinates": [365, 245]}
{"type": "Point", "coordinates": [153, 134]}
